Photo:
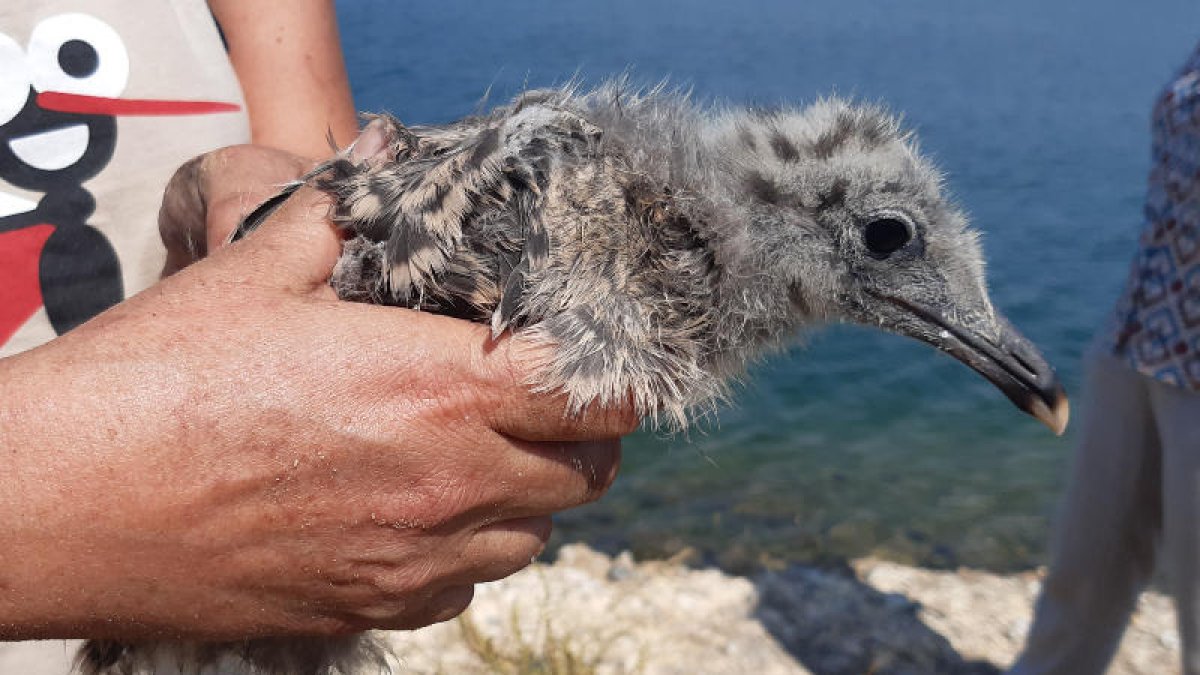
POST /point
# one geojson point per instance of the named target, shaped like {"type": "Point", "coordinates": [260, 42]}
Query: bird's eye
{"type": "Point", "coordinates": [885, 236]}
{"type": "Point", "coordinates": [78, 54]}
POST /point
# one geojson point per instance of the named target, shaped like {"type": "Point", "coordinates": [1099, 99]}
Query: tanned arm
{"type": "Point", "coordinates": [288, 57]}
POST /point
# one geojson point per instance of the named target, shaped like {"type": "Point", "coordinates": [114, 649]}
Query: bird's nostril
{"type": "Point", "coordinates": [1032, 370]}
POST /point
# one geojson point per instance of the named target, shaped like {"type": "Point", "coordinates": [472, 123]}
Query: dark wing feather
{"type": "Point", "coordinates": [264, 211]}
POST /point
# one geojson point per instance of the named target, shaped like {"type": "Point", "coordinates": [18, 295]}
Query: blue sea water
{"type": "Point", "coordinates": [861, 442]}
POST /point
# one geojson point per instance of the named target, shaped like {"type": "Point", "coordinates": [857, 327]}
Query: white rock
{"type": "Point", "coordinates": [661, 618]}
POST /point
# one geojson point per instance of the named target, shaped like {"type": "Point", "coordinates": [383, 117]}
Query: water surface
{"type": "Point", "coordinates": [861, 442]}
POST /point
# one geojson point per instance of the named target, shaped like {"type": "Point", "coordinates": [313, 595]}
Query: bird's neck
{"type": "Point", "coordinates": [752, 318]}
{"type": "Point", "coordinates": [752, 311]}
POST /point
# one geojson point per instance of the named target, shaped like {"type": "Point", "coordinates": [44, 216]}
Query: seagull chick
{"type": "Point", "coordinates": [657, 246]}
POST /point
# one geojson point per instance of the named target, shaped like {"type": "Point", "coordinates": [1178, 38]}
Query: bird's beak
{"type": "Point", "coordinates": [1000, 353]}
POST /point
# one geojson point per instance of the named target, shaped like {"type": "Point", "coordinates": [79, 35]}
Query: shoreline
{"type": "Point", "coordinates": [591, 613]}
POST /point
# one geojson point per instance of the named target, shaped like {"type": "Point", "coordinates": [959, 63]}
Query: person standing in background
{"type": "Point", "coordinates": [1134, 488]}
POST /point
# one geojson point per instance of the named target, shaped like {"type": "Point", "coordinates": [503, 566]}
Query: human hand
{"type": "Point", "coordinates": [235, 453]}
{"type": "Point", "coordinates": [208, 196]}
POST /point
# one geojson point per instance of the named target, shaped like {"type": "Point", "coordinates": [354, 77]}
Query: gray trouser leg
{"type": "Point", "coordinates": [1103, 545]}
{"type": "Point", "coordinates": [1177, 413]}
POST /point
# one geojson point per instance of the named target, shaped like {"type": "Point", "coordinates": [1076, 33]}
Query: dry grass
{"type": "Point", "coordinates": [534, 643]}
{"type": "Point", "coordinates": [553, 655]}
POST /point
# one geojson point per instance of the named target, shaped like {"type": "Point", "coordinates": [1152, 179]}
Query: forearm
{"type": "Point", "coordinates": [122, 500]}
{"type": "Point", "coordinates": [64, 431]}
{"type": "Point", "coordinates": [288, 58]}
{"type": "Point", "coordinates": [23, 613]}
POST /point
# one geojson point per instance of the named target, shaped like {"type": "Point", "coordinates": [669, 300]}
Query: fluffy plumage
{"type": "Point", "coordinates": [656, 246]}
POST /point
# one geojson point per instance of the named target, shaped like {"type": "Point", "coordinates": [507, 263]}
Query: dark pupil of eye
{"type": "Point", "coordinates": [77, 58]}
{"type": "Point", "coordinates": [885, 236]}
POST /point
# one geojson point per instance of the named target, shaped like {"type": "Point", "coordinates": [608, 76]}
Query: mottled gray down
{"type": "Point", "coordinates": [655, 246]}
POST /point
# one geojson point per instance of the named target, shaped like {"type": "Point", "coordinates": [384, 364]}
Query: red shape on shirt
{"type": "Point", "coordinates": [97, 105]}
{"type": "Point", "coordinates": [20, 289]}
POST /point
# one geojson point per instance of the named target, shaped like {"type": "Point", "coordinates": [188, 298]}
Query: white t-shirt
{"type": "Point", "coordinates": [100, 102]}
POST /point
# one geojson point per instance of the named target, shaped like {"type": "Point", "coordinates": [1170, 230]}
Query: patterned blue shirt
{"type": "Point", "coordinates": [1158, 317]}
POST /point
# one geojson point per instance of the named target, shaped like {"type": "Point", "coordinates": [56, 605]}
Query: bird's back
{"type": "Point", "coordinates": [559, 215]}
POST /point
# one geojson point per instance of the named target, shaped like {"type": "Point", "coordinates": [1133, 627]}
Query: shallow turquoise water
{"type": "Point", "coordinates": [1037, 110]}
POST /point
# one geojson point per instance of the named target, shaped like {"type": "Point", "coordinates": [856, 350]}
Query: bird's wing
{"type": "Point", "coordinates": [415, 207]}
{"type": "Point", "coordinates": [387, 138]}
{"type": "Point", "coordinates": [538, 139]}
{"type": "Point", "coordinates": [408, 217]}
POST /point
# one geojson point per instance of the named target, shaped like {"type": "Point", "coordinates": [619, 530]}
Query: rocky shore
{"type": "Point", "coordinates": [589, 613]}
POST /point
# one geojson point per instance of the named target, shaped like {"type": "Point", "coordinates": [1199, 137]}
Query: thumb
{"type": "Point", "coordinates": [298, 240]}
{"type": "Point", "coordinates": [297, 245]}
{"type": "Point", "coordinates": [210, 195]}
{"type": "Point", "coordinates": [235, 180]}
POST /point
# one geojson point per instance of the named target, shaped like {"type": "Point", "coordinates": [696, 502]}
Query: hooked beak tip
{"type": "Point", "coordinates": [1054, 414]}
{"type": "Point", "coordinates": [1006, 358]}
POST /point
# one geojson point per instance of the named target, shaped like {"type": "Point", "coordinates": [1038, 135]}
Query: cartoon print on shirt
{"type": "Point", "coordinates": [58, 128]}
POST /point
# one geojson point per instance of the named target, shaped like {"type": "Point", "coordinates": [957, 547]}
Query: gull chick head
{"type": "Point", "coordinates": [841, 213]}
